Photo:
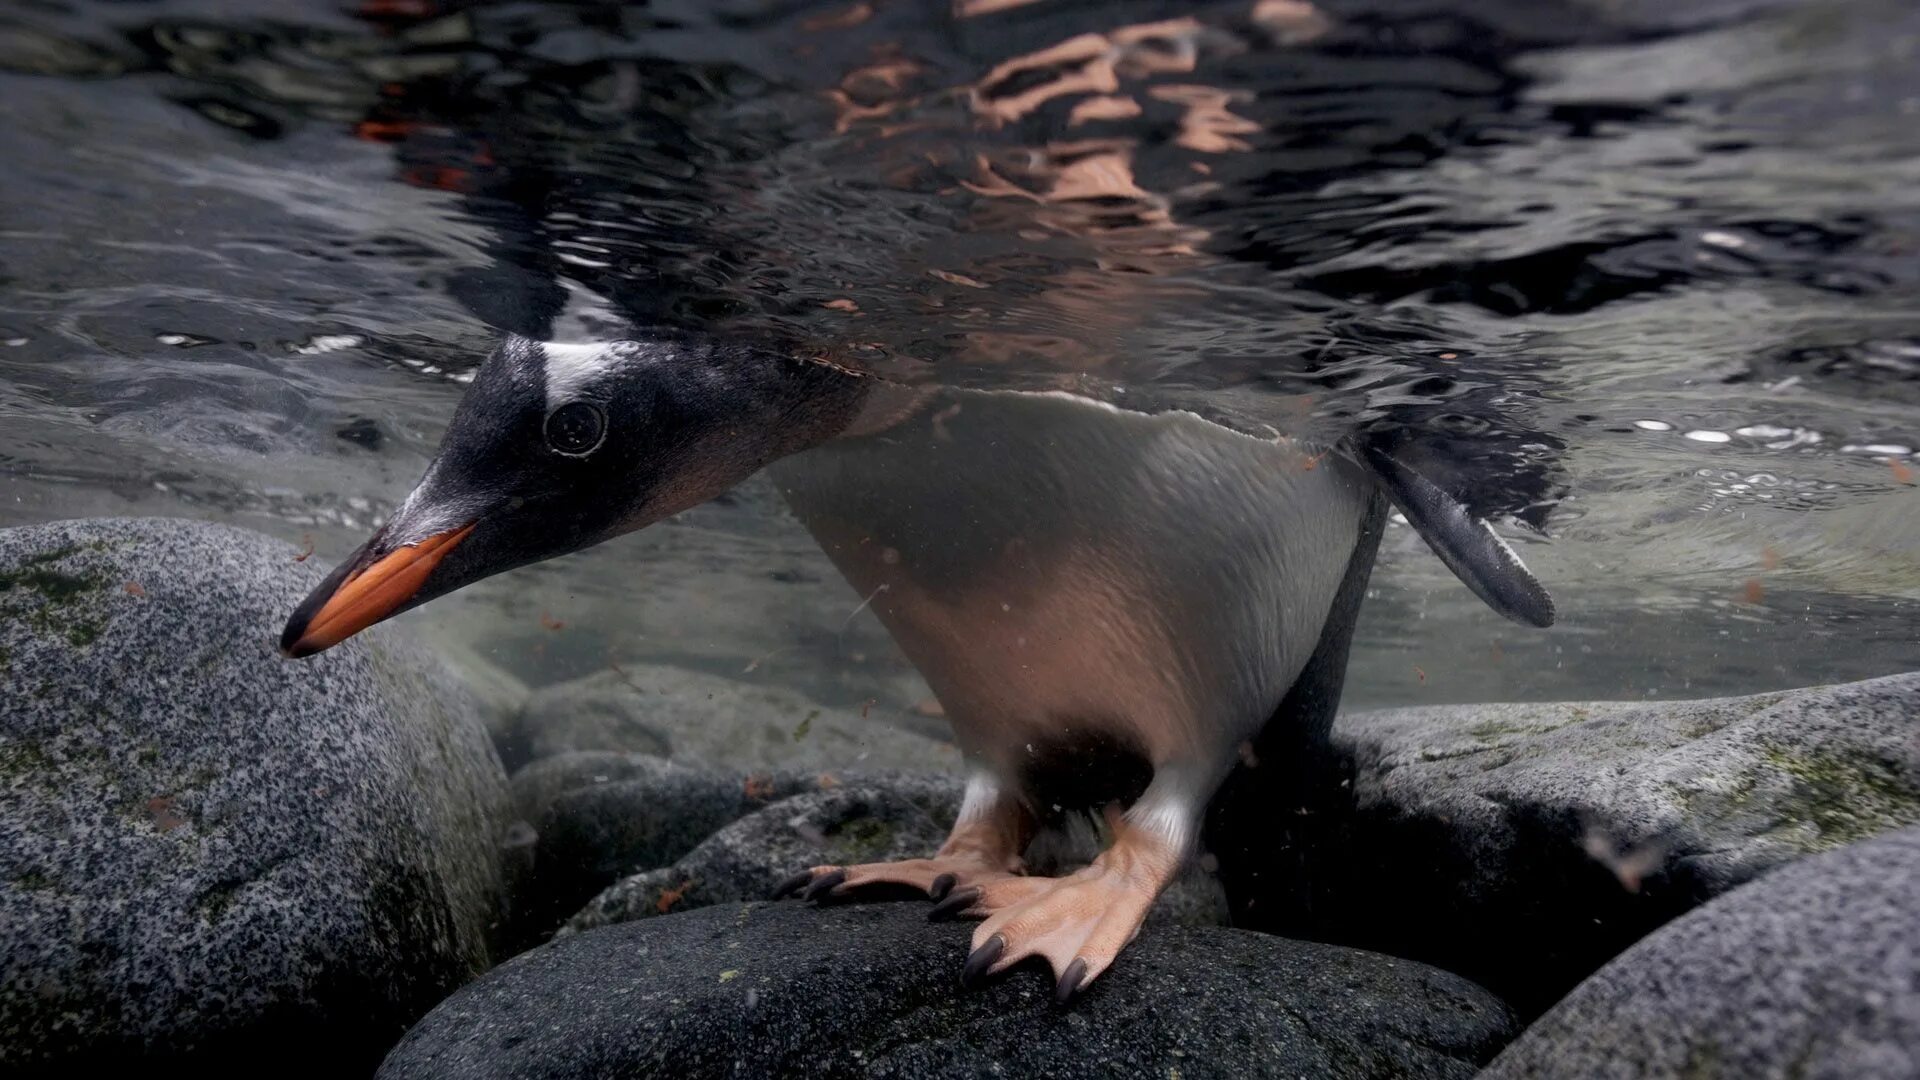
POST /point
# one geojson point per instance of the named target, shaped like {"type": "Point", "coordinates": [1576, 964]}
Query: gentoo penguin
{"type": "Point", "coordinates": [1108, 604]}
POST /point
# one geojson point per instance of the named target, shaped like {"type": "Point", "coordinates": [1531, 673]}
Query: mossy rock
{"type": "Point", "coordinates": [1526, 844]}
{"type": "Point", "coordinates": [209, 852]}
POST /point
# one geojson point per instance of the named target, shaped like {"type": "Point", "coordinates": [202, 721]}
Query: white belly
{"type": "Point", "coordinates": [1059, 569]}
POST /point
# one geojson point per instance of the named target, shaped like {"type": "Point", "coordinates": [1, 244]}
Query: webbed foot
{"type": "Point", "coordinates": [984, 847]}
{"type": "Point", "coordinates": [937, 877]}
{"type": "Point", "coordinates": [1078, 923]}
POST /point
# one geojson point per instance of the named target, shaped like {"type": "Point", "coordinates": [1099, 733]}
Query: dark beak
{"type": "Point", "coordinates": [364, 590]}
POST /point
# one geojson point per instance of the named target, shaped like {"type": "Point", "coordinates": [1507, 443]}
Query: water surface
{"type": "Point", "coordinates": [1646, 272]}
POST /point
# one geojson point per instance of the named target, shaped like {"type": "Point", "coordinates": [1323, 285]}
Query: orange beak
{"type": "Point", "coordinates": [341, 608]}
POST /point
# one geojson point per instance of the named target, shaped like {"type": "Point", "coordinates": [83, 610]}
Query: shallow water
{"type": "Point", "coordinates": [1651, 268]}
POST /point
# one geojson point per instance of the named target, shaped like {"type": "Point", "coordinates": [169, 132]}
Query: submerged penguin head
{"type": "Point", "coordinates": [559, 447]}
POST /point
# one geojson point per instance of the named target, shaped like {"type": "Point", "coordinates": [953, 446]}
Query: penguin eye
{"type": "Point", "coordinates": [576, 429]}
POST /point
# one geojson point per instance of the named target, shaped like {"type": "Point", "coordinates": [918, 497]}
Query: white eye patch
{"type": "Point", "coordinates": [570, 369]}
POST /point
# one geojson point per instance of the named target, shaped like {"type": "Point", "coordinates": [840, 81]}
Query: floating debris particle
{"type": "Point", "coordinates": [957, 279]}
{"type": "Point", "coordinates": [670, 897]}
{"type": "Point", "coordinates": [754, 665]}
{"type": "Point", "coordinates": [1630, 866]}
{"type": "Point", "coordinates": [160, 808]}
{"type": "Point", "coordinates": [624, 677]}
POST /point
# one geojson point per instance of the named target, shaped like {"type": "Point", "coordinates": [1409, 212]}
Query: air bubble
{"type": "Point", "coordinates": [326, 343]}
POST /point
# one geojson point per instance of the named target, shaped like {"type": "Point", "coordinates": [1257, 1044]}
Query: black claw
{"type": "Point", "coordinates": [941, 886]}
{"type": "Point", "coordinates": [1069, 983]}
{"type": "Point", "coordinates": [791, 885]}
{"type": "Point", "coordinates": [957, 902]}
{"type": "Point", "coordinates": [981, 959]}
{"type": "Point", "coordinates": [825, 884]}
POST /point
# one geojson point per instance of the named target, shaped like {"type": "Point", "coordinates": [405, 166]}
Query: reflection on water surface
{"type": "Point", "coordinates": [1642, 276]}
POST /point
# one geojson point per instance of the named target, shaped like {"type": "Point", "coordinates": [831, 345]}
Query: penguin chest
{"type": "Point", "coordinates": [1076, 582]}
{"type": "Point", "coordinates": [1035, 651]}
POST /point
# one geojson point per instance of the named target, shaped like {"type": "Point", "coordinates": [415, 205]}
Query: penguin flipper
{"type": "Point", "coordinates": [1467, 544]}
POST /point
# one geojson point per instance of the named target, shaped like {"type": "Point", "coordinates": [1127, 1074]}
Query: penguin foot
{"type": "Point", "coordinates": [977, 852]}
{"type": "Point", "coordinates": [1078, 923]}
{"type": "Point", "coordinates": [940, 878]}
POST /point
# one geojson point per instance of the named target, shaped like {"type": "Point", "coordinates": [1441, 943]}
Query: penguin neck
{"type": "Point", "coordinates": [882, 406]}
{"type": "Point", "coordinates": [826, 402]}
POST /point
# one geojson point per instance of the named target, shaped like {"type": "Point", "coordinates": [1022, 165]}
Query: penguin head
{"type": "Point", "coordinates": [557, 447]}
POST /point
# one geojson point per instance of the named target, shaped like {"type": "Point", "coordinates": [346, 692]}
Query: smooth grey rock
{"type": "Point", "coordinates": [208, 852]}
{"type": "Point", "coordinates": [601, 816]}
{"type": "Point", "coordinates": [695, 718]}
{"type": "Point", "coordinates": [872, 990]}
{"type": "Point", "coordinates": [501, 695]}
{"type": "Point", "coordinates": [1810, 973]}
{"type": "Point", "coordinates": [1525, 845]}
{"type": "Point", "coordinates": [749, 858]}
{"type": "Point", "coordinates": [596, 817]}
{"type": "Point", "coordinates": [542, 784]}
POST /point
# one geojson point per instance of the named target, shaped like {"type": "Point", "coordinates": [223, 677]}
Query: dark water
{"type": "Point", "coordinates": [1648, 273]}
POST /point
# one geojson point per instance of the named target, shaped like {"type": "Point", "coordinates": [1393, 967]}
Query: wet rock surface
{"type": "Point", "coordinates": [748, 859]}
{"type": "Point", "coordinates": [861, 818]}
{"type": "Point", "coordinates": [207, 851]}
{"type": "Point", "coordinates": [695, 718]}
{"type": "Point", "coordinates": [1525, 845]}
{"type": "Point", "coordinates": [597, 817]}
{"type": "Point", "coordinates": [872, 990]}
{"type": "Point", "coordinates": [1812, 971]}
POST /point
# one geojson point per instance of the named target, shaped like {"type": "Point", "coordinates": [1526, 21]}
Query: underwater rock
{"type": "Point", "coordinates": [873, 990]}
{"type": "Point", "coordinates": [866, 819]}
{"type": "Point", "coordinates": [207, 852]}
{"type": "Point", "coordinates": [1812, 971]}
{"type": "Point", "coordinates": [695, 718]}
{"type": "Point", "coordinates": [500, 694]}
{"type": "Point", "coordinates": [599, 816]}
{"type": "Point", "coordinates": [539, 784]}
{"type": "Point", "coordinates": [1525, 845]}
{"type": "Point", "coordinates": [748, 859]}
